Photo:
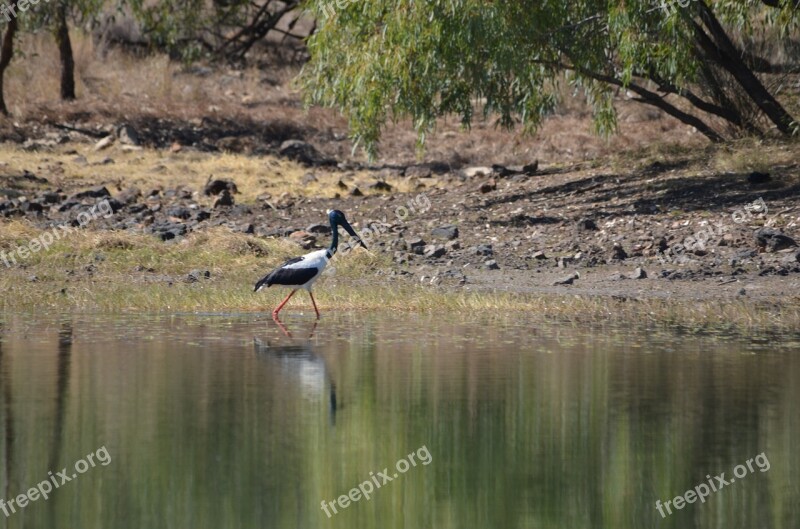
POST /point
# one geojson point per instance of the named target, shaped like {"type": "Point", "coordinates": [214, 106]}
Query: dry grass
{"type": "Point", "coordinates": [115, 87]}
{"type": "Point", "coordinates": [76, 166]}
{"type": "Point", "coordinates": [738, 157]}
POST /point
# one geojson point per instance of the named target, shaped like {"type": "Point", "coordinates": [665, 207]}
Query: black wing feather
{"type": "Point", "coordinates": [287, 276]}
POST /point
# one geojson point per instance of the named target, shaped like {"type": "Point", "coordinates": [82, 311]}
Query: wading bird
{"type": "Point", "coordinates": [301, 272]}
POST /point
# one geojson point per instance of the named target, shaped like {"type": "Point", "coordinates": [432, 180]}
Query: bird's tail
{"type": "Point", "coordinates": [262, 283]}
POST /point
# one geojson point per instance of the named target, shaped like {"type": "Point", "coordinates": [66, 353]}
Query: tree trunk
{"type": "Point", "coordinates": [719, 47]}
{"type": "Point", "coordinates": [6, 53]}
{"type": "Point", "coordinates": [65, 52]}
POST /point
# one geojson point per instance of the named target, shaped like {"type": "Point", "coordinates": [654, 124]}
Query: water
{"type": "Point", "coordinates": [221, 421]}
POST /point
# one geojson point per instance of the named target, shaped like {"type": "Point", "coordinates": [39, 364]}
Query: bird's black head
{"type": "Point", "coordinates": [337, 219]}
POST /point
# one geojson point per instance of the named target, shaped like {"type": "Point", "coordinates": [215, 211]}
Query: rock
{"type": "Point", "coordinates": [447, 233]}
{"type": "Point", "coordinates": [587, 225]}
{"type": "Point", "coordinates": [241, 210]}
{"type": "Point", "coordinates": [484, 249]}
{"type": "Point", "coordinates": [127, 135]}
{"type": "Point", "coordinates": [225, 200]}
{"type": "Point", "coordinates": [434, 251]}
{"type": "Point", "coordinates": [31, 145]}
{"type": "Point", "coordinates": [130, 195]}
{"type": "Point", "coordinates": [51, 197]}
{"type": "Point", "coordinates": [322, 229]}
{"type": "Point", "coordinates": [235, 144]}
{"type": "Point", "coordinates": [381, 186]}
{"type": "Point", "coordinates": [217, 186]}
{"type": "Point", "coordinates": [168, 230]}
{"type": "Point", "coordinates": [758, 178]}
{"type": "Point", "coordinates": [639, 273]}
{"type": "Point", "coordinates": [452, 245]}
{"type": "Point", "coordinates": [793, 257]}
{"type": "Point", "coordinates": [95, 192]}
{"type": "Point", "coordinates": [304, 153]}
{"type": "Point", "coordinates": [303, 238]}
{"type": "Point", "coordinates": [618, 253]}
{"type": "Point", "coordinates": [13, 212]}
{"type": "Point", "coordinates": [455, 274]}
{"type": "Point", "coordinates": [196, 275]}
{"type": "Point", "coordinates": [562, 262]}
{"type": "Point", "coordinates": [356, 192]}
{"type": "Point", "coordinates": [308, 178]}
{"type": "Point", "coordinates": [419, 171]}
{"type": "Point", "coordinates": [568, 280]}
{"type": "Point", "coordinates": [488, 186]}
{"type": "Point", "coordinates": [31, 207]}
{"type": "Point", "coordinates": [772, 240]}
{"type": "Point", "coordinates": [502, 171]}
{"type": "Point", "coordinates": [179, 212]}
{"type": "Point", "coordinates": [539, 255]}
{"type": "Point", "coordinates": [246, 228]}
{"type": "Point", "coordinates": [417, 246]}
{"type": "Point", "coordinates": [398, 244]}
{"type": "Point", "coordinates": [202, 215]}
{"type": "Point", "coordinates": [472, 172]}
{"type": "Point", "coordinates": [531, 168]}
{"type": "Point", "coordinates": [68, 205]}
{"type": "Point", "coordinates": [491, 264]}
{"type": "Point", "coordinates": [104, 143]}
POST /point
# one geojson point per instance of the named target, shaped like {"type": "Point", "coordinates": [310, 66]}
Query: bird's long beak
{"type": "Point", "coordinates": [349, 229]}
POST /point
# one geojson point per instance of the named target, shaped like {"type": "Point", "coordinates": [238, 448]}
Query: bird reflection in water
{"type": "Point", "coordinates": [301, 364]}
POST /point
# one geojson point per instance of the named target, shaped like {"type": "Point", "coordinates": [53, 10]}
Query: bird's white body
{"type": "Point", "coordinates": [300, 272]}
{"type": "Point", "coordinates": [317, 260]}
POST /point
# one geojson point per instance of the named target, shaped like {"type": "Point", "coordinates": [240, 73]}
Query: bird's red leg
{"type": "Point", "coordinates": [314, 302]}
{"type": "Point", "coordinates": [281, 325]}
{"type": "Point", "coordinates": [278, 309]}
{"type": "Point", "coordinates": [313, 327]}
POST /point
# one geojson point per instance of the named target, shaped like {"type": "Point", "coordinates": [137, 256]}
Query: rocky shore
{"type": "Point", "coordinates": [659, 230]}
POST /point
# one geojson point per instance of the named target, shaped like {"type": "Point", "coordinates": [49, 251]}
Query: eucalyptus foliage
{"type": "Point", "coordinates": [381, 60]}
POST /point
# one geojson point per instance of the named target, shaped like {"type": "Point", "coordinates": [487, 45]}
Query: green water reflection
{"type": "Point", "coordinates": [223, 422]}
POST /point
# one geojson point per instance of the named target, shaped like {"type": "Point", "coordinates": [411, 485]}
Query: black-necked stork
{"type": "Point", "coordinates": [301, 272]}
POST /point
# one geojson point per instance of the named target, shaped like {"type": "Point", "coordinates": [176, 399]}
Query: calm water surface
{"type": "Point", "coordinates": [221, 421]}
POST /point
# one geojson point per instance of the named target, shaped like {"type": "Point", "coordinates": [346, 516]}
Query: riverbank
{"type": "Point", "coordinates": [666, 242]}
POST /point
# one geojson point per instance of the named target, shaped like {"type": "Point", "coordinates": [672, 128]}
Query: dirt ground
{"type": "Point", "coordinates": [672, 231]}
{"type": "Point", "coordinates": [653, 212]}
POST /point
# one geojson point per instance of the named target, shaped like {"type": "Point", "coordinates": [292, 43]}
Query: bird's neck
{"type": "Point", "coordinates": [335, 242]}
